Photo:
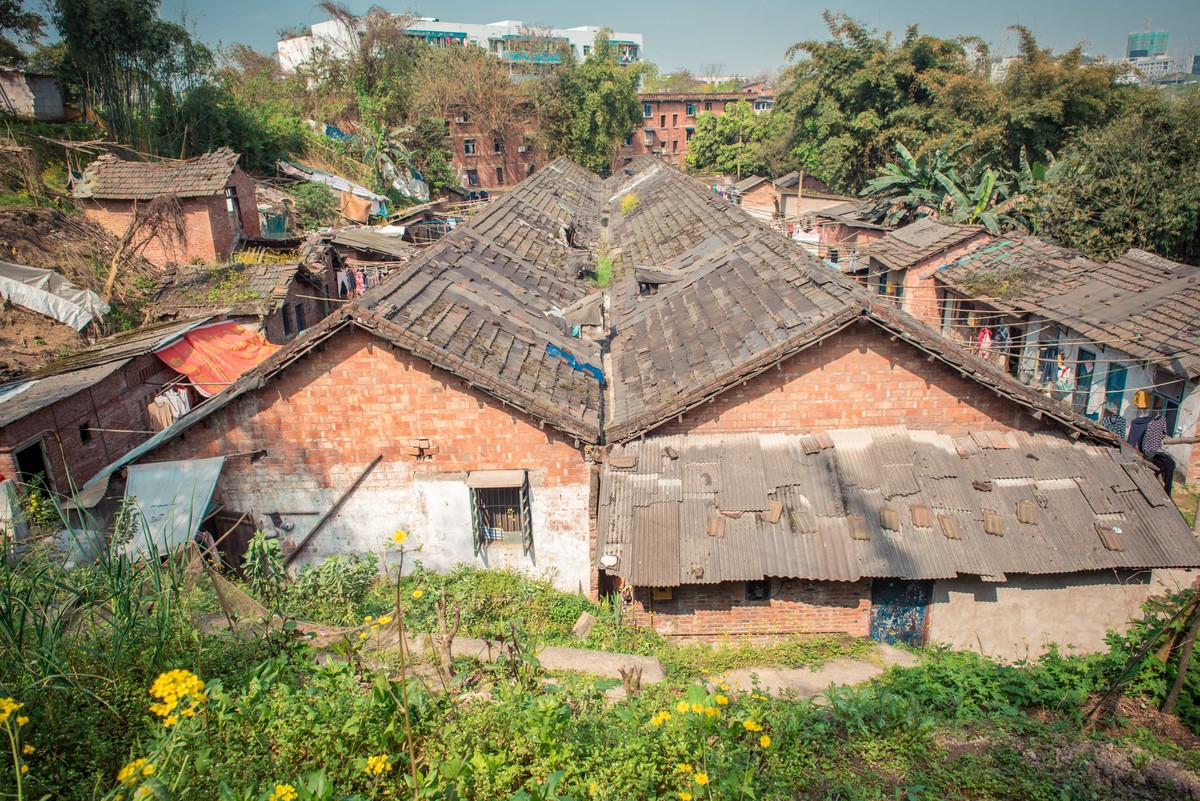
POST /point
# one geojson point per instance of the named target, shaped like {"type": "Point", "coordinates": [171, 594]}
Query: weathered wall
{"type": "Point", "coordinates": [762, 201]}
{"type": "Point", "coordinates": [515, 164]}
{"type": "Point", "coordinates": [715, 611]}
{"type": "Point", "coordinates": [119, 404]}
{"type": "Point", "coordinates": [300, 295]}
{"type": "Point", "coordinates": [1023, 616]}
{"type": "Point", "coordinates": [32, 96]}
{"type": "Point", "coordinates": [208, 235]}
{"type": "Point", "coordinates": [856, 378]}
{"type": "Point", "coordinates": [325, 418]}
{"type": "Point", "coordinates": [920, 287]}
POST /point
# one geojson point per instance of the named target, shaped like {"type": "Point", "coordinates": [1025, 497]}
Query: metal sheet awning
{"type": "Point", "coordinates": [489, 479]}
{"type": "Point", "coordinates": [171, 499]}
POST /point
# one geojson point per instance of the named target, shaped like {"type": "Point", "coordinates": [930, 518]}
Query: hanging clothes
{"type": "Point", "coordinates": [360, 283]}
{"type": "Point", "coordinates": [161, 414]}
{"type": "Point", "coordinates": [983, 342]}
{"type": "Point", "coordinates": [1066, 378]}
{"type": "Point", "coordinates": [343, 283]}
{"type": "Point", "coordinates": [1164, 465]}
{"type": "Point", "coordinates": [1003, 337]}
{"type": "Point", "coordinates": [1136, 429]}
{"type": "Point", "coordinates": [1116, 424]}
{"type": "Point", "coordinates": [1156, 432]}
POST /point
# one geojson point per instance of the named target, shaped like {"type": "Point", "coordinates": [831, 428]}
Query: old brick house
{"type": "Point", "coordinates": [217, 202]}
{"type": "Point", "coordinates": [487, 159]}
{"type": "Point", "coordinates": [734, 436]}
{"type": "Point", "coordinates": [669, 119]}
{"type": "Point", "coordinates": [279, 299]}
{"type": "Point", "coordinates": [72, 418]}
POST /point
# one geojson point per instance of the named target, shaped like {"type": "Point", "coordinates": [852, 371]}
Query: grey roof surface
{"type": "Point", "coordinates": [123, 346]}
{"type": "Point", "coordinates": [110, 178]}
{"type": "Point", "coordinates": [697, 508]}
{"type": "Point", "coordinates": [42, 392]}
{"type": "Point", "coordinates": [927, 237]}
{"type": "Point", "coordinates": [238, 289]}
{"type": "Point", "coordinates": [391, 247]}
{"type": "Point", "coordinates": [1142, 304]}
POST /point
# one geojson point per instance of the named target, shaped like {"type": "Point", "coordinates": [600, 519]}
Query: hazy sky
{"type": "Point", "coordinates": [744, 36]}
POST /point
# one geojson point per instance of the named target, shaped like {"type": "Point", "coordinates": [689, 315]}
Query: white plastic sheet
{"type": "Point", "coordinates": [171, 499]}
{"type": "Point", "coordinates": [46, 292]}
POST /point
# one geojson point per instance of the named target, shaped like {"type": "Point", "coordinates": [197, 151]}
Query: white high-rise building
{"type": "Point", "coordinates": [505, 38]}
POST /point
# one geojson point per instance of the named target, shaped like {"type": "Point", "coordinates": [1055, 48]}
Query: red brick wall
{"type": "Point", "coordinates": [763, 198]}
{"type": "Point", "coordinates": [302, 295]}
{"type": "Point", "coordinates": [920, 287]}
{"type": "Point", "coordinates": [711, 612]}
{"type": "Point", "coordinates": [511, 160]}
{"type": "Point", "coordinates": [670, 134]}
{"type": "Point", "coordinates": [118, 402]}
{"type": "Point", "coordinates": [356, 399]}
{"type": "Point", "coordinates": [208, 235]}
{"type": "Point", "coordinates": [856, 378]}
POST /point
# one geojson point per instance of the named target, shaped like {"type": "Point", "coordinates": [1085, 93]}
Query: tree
{"type": "Point", "coordinates": [859, 94]}
{"type": "Point", "coordinates": [17, 27]}
{"type": "Point", "coordinates": [587, 109]}
{"type": "Point", "coordinates": [1133, 183]}
{"type": "Point", "coordinates": [125, 59]}
{"type": "Point", "coordinates": [728, 143]}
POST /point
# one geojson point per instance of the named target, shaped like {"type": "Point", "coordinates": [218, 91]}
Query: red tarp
{"type": "Point", "coordinates": [216, 355]}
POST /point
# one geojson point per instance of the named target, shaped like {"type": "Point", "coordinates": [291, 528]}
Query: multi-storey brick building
{"type": "Point", "coordinates": [669, 119]}
{"type": "Point", "coordinates": [487, 160]}
{"type": "Point", "coordinates": [733, 436]}
{"type": "Point", "coordinates": [216, 199]}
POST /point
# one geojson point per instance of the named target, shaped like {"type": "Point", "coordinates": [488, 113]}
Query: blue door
{"type": "Point", "coordinates": [898, 611]}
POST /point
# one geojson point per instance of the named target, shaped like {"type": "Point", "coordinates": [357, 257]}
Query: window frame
{"type": "Point", "coordinates": [690, 109]}
{"type": "Point", "coordinates": [470, 147]}
{"type": "Point", "coordinates": [482, 535]}
{"type": "Point", "coordinates": [647, 111]}
{"type": "Point", "coordinates": [472, 177]}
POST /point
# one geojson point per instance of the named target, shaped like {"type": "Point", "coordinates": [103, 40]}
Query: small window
{"type": "Point", "coordinates": [300, 323]}
{"type": "Point", "coordinates": [501, 513]}
{"type": "Point", "coordinates": [499, 176]}
{"type": "Point", "coordinates": [472, 178]}
{"type": "Point", "coordinates": [85, 433]}
{"type": "Point", "coordinates": [708, 105]}
{"type": "Point", "coordinates": [758, 590]}
{"type": "Point", "coordinates": [674, 120]}
{"type": "Point", "coordinates": [649, 139]}
{"type": "Point", "coordinates": [463, 118]}
{"type": "Point", "coordinates": [470, 147]}
{"type": "Point", "coordinates": [647, 111]}
{"type": "Point", "coordinates": [628, 139]}
{"type": "Point", "coordinates": [662, 121]}
{"type": "Point", "coordinates": [286, 313]}
{"type": "Point", "coordinates": [497, 145]}
{"type": "Point", "coordinates": [233, 207]}
{"type": "Point", "coordinates": [691, 109]}
{"type": "Point", "coordinates": [529, 170]}
{"type": "Point", "coordinates": [587, 50]}
{"type": "Point", "coordinates": [674, 145]}
{"type": "Point", "coordinates": [687, 135]}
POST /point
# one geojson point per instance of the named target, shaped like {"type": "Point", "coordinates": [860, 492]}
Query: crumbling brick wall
{"type": "Point", "coordinates": [856, 378]}
{"type": "Point", "coordinates": [330, 414]}
{"type": "Point", "coordinates": [713, 612]}
{"type": "Point", "coordinates": [920, 286]}
{"type": "Point", "coordinates": [114, 412]}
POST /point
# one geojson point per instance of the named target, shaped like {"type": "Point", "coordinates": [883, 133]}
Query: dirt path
{"type": "Point", "coordinates": [812, 682]}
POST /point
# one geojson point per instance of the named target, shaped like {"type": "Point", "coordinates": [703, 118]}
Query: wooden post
{"type": "Point", "coordinates": [332, 510]}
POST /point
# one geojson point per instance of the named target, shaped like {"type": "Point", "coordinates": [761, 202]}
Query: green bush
{"type": "Point", "coordinates": [316, 205]}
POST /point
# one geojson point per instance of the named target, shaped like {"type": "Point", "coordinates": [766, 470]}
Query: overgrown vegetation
{"type": "Point", "coordinates": [116, 689]}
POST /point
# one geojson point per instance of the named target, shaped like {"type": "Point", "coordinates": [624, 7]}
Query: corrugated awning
{"type": "Point", "coordinates": [171, 499]}
{"type": "Point", "coordinates": [214, 356]}
{"type": "Point", "coordinates": [489, 479]}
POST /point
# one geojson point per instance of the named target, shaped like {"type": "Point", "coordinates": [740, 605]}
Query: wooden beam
{"type": "Point", "coordinates": [291, 557]}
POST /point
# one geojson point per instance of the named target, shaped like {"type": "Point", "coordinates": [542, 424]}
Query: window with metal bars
{"type": "Point", "coordinates": [501, 514]}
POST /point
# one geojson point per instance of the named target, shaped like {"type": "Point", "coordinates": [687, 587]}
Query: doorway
{"type": "Point", "coordinates": [31, 462]}
{"type": "Point", "coordinates": [898, 611]}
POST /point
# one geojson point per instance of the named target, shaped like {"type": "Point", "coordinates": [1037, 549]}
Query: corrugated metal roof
{"type": "Point", "coordinates": [669, 536]}
{"type": "Point", "coordinates": [42, 392]}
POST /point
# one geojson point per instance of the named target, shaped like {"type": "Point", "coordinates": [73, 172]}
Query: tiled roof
{"type": "Point", "coordinates": [1141, 304]}
{"type": "Point", "coordinates": [927, 237]}
{"type": "Point", "coordinates": [123, 345]}
{"type": "Point", "coordinates": [239, 289]}
{"type": "Point", "coordinates": [22, 398]}
{"type": "Point", "coordinates": [709, 508]}
{"type": "Point", "coordinates": [109, 178]}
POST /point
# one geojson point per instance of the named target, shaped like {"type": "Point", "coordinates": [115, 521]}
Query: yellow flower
{"type": "Point", "coordinates": [682, 768]}
{"type": "Point", "coordinates": [764, 741]}
{"type": "Point", "coordinates": [592, 788]}
{"type": "Point", "coordinates": [711, 711]}
{"type": "Point", "coordinates": [142, 792]}
{"type": "Point", "coordinates": [7, 707]}
{"type": "Point", "coordinates": [284, 792]}
{"type": "Point", "coordinates": [148, 770]}
{"type": "Point", "coordinates": [368, 619]}
{"type": "Point", "coordinates": [129, 773]}
{"type": "Point", "coordinates": [723, 687]}
{"type": "Point", "coordinates": [751, 725]}
{"type": "Point", "coordinates": [378, 764]}
{"type": "Point", "coordinates": [362, 636]}
{"type": "Point", "coordinates": [171, 688]}
{"type": "Point", "coordinates": [28, 749]}
{"type": "Point", "coordinates": [697, 708]}
{"type": "Point", "coordinates": [682, 706]}
{"type": "Point", "coordinates": [171, 720]}
{"type": "Point", "coordinates": [383, 621]}
{"type": "Point", "coordinates": [685, 796]}
{"type": "Point", "coordinates": [417, 594]}
{"type": "Point", "coordinates": [24, 768]}
{"type": "Point", "coordinates": [722, 700]}
{"type": "Point", "coordinates": [400, 536]}
{"type": "Point", "coordinates": [22, 720]}
{"type": "Point", "coordinates": [701, 779]}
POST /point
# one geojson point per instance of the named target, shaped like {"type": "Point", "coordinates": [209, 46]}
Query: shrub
{"type": "Point", "coordinates": [316, 205]}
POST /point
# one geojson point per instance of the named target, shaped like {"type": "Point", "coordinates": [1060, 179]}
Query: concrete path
{"type": "Point", "coordinates": [808, 682]}
{"type": "Point", "coordinates": [577, 659]}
